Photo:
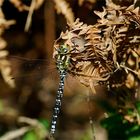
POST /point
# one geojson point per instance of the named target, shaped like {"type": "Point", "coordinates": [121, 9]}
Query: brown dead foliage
{"type": "Point", "coordinates": [102, 51]}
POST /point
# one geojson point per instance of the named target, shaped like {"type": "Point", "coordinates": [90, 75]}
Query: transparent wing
{"type": "Point", "coordinates": [23, 68]}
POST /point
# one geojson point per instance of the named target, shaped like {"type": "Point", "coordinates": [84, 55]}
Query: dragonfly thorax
{"type": "Point", "coordinates": [62, 58]}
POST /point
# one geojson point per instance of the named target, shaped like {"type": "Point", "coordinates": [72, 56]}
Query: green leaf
{"type": "Point", "coordinates": [118, 128]}
{"type": "Point", "coordinates": [137, 104]}
{"type": "Point", "coordinates": [134, 138]}
{"type": "Point", "coordinates": [44, 122]}
{"type": "Point", "coordinates": [106, 106]}
{"type": "Point", "coordinates": [30, 136]}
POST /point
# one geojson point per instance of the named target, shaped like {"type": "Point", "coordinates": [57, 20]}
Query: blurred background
{"type": "Point", "coordinates": [29, 103]}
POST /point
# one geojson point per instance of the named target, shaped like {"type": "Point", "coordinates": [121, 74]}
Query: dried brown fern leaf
{"type": "Point", "coordinates": [63, 7]}
{"type": "Point", "coordinates": [1, 2]}
{"type": "Point", "coordinates": [22, 7]}
{"type": "Point", "coordinates": [5, 66]}
{"type": "Point", "coordinates": [81, 2]}
{"type": "Point", "coordinates": [101, 52]}
{"type": "Point", "coordinates": [35, 4]}
{"type": "Point", "coordinates": [85, 60]}
{"type": "Point", "coordinates": [19, 5]}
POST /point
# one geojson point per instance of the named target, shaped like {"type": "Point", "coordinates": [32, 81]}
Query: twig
{"type": "Point", "coordinates": [29, 17]}
{"type": "Point", "coordinates": [15, 133]}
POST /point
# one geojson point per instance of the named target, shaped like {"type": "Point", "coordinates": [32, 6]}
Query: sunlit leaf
{"type": "Point", "coordinates": [30, 136]}
{"type": "Point", "coordinates": [137, 104]}
{"type": "Point", "coordinates": [44, 122]}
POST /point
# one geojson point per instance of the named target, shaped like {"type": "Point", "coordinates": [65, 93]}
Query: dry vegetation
{"type": "Point", "coordinates": [104, 57]}
{"type": "Point", "coordinates": [99, 51]}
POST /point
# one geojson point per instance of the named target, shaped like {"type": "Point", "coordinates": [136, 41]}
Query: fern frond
{"type": "Point", "coordinates": [5, 66]}
{"type": "Point", "coordinates": [19, 5]}
{"type": "Point", "coordinates": [63, 7]}
{"type": "Point", "coordinates": [99, 52]}
{"type": "Point", "coordinates": [81, 2]}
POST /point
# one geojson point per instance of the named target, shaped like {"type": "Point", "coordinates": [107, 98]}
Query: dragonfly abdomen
{"type": "Point", "coordinates": [57, 106]}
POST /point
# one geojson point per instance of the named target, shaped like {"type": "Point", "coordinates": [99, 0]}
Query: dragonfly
{"type": "Point", "coordinates": [62, 61]}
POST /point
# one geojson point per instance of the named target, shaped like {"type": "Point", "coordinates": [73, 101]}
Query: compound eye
{"type": "Point", "coordinates": [65, 50]}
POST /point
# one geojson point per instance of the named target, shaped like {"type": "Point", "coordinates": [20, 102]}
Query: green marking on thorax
{"type": "Point", "coordinates": [63, 59]}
